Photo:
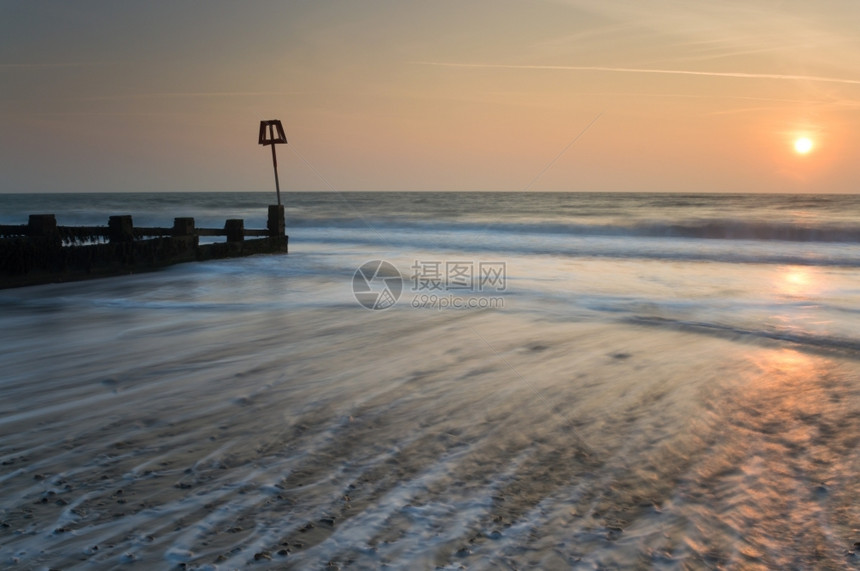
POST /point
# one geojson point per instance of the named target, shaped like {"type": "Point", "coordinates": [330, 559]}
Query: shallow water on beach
{"type": "Point", "coordinates": [609, 412]}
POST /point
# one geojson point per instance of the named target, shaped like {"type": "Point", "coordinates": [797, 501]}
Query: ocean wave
{"type": "Point", "coordinates": [743, 230]}
{"type": "Point", "coordinates": [758, 230]}
{"type": "Point", "coordinates": [808, 341]}
{"type": "Point", "coordinates": [613, 247]}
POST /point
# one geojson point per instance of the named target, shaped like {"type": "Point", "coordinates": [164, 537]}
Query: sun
{"type": "Point", "coordinates": [803, 145]}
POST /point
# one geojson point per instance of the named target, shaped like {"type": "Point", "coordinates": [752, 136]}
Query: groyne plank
{"type": "Point", "coordinates": [42, 252]}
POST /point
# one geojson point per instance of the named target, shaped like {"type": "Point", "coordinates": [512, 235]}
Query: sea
{"type": "Point", "coordinates": [444, 381]}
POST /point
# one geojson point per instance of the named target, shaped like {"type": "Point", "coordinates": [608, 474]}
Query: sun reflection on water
{"type": "Point", "coordinates": [799, 282]}
{"type": "Point", "coordinates": [782, 462]}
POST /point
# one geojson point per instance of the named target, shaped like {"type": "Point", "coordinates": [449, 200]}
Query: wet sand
{"type": "Point", "coordinates": [310, 437]}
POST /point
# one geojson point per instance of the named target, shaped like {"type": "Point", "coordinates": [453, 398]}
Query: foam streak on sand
{"type": "Point", "coordinates": [615, 412]}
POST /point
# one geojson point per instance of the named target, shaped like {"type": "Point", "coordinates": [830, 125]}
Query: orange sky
{"type": "Point", "coordinates": [446, 95]}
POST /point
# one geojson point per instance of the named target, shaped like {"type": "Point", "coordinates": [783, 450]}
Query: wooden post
{"type": "Point", "coordinates": [185, 234]}
{"type": "Point", "coordinates": [42, 228]}
{"type": "Point", "coordinates": [42, 225]}
{"type": "Point", "coordinates": [277, 183]}
{"type": "Point", "coordinates": [277, 226]}
{"type": "Point", "coordinates": [121, 229]}
{"type": "Point", "coordinates": [235, 228]}
{"type": "Point", "coordinates": [183, 227]}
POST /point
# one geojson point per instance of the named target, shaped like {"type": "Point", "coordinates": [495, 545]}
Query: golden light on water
{"type": "Point", "coordinates": [798, 281]}
{"type": "Point", "coordinates": [783, 362]}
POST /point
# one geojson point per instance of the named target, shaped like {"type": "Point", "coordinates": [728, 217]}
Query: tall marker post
{"type": "Point", "coordinates": [272, 133]}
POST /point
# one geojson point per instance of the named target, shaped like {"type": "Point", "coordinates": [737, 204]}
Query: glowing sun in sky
{"type": "Point", "coordinates": [803, 145]}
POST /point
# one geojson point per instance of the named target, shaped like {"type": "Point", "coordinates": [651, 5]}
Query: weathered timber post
{"type": "Point", "coordinates": [185, 239]}
{"type": "Point", "coordinates": [120, 229]}
{"type": "Point", "coordinates": [235, 228]}
{"type": "Point", "coordinates": [183, 227]}
{"type": "Point", "coordinates": [43, 249]}
{"type": "Point", "coordinates": [43, 227]}
{"type": "Point", "coordinates": [45, 243]}
{"type": "Point", "coordinates": [277, 226]}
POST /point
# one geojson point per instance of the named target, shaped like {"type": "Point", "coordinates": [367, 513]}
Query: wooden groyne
{"type": "Point", "coordinates": [42, 252]}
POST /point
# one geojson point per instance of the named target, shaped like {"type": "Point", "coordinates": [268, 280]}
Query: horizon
{"type": "Point", "coordinates": [548, 95]}
{"type": "Point", "coordinates": [614, 192]}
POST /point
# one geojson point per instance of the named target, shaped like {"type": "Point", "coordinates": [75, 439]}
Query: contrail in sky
{"type": "Point", "coordinates": [561, 152]}
{"type": "Point", "coordinates": [735, 74]}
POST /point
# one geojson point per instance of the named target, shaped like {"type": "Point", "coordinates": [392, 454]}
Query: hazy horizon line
{"type": "Point", "coordinates": [511, 191]}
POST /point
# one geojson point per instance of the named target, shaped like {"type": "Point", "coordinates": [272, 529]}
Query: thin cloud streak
{"type": "Point", "coordinates": [732, 74]}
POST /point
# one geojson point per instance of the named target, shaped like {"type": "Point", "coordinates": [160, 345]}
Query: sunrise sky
{"type": "Point", "coordinates": [569, 95]}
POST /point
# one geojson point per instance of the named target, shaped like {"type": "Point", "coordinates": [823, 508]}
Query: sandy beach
{"type": "Point", "coordinates": [502, 441]}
